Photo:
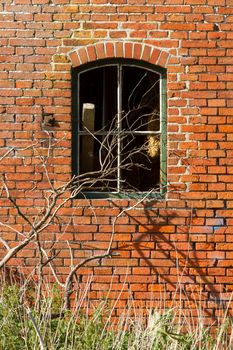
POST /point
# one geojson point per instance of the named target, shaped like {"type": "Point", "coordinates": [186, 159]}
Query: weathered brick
{"type": "Point", "coordinates": [192, 224]}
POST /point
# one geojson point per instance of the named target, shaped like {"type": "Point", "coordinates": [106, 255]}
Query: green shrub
{"type": "Point", "coordinates": [78, 330]}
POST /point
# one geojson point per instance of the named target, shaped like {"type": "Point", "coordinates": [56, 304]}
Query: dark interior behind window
{"type": "Point", "coordinates": [119, 103]}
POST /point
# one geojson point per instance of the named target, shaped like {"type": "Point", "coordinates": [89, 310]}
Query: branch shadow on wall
{"type": "Point", "coordinates": [191, 279]}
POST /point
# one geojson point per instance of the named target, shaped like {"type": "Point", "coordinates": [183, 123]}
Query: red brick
{"type": "Point", "coordinates": [128, 49]}
{"type": "Point", "coordinates": [82, 53]}
{"type": "Point", "coordinates": [110, 50]}
{"type": "Point", "coordinates": [119, 49]}
{"type": "Point", "coordinates": [75, 59]}
{"type": "Point", "coordinates": [191, 224]}
{"type": "Point", "coordinates": [137, 51]}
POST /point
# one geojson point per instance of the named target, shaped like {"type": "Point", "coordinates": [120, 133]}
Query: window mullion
{"type": "Point", "coordinates": [119, 124]}
{"type": "Point", "coordinates": [78, 125]}
{"type": "Point", "coordinates": [163, 129]}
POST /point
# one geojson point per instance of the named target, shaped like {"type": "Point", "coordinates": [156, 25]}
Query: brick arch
{"type": "Point", "coordinates": [131, 50]}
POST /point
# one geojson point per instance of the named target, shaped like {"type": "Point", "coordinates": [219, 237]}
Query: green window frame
{"type": "Point", "coordinates": [108, 78]}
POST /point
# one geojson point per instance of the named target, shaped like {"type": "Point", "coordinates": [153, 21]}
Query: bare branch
{"type": "Point", "coordinates": [5, 244]}
{"type": "Point", "coordinates": [69, 279]}
{"type": "Point", "coordinates": [13, 201]}
{"type": "Point", "coordinates": [13, 251]}
{"type": "Point", "coordinates": [6, 154]}
{"type": "Point", "coordinates": [35, 325]}
{"type": "Point", "coordinates": [142, 120]}
{"type": "Point", "coordinates": [12, 229]}
{"type": "Point", "coordinates": [49, 262]}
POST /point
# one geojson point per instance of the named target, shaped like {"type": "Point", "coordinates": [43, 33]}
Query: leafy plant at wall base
{"type": "Point", "coordinates": [91, 328]}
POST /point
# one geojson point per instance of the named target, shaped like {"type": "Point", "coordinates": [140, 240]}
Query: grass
{"type": "Point", "coordinates": [21, 326]}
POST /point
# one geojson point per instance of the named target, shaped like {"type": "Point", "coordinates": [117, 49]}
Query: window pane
{"type": "Point", "coordinates": [130, 146]}
{"type": "Point", "coordinates": [94, 152]}
{"type": "Point", "coordinates": [143, 153]}
{"type": "Point", "coordinates": [98, 91]}
{"type": "Point", "coordinates": [140, 99]}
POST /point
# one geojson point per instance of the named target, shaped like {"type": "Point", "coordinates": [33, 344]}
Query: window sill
{"type": "Point", "coordinates": [111, 195]}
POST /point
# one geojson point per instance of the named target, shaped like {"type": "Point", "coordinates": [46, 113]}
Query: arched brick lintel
{"type": "Point", "coordinates": [116, 49]}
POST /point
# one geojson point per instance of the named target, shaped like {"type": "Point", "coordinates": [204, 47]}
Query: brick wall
{"type": "Point", "coordinates": [183, 238]}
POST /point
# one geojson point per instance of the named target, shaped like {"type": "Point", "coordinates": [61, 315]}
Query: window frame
{"type": "Point", "coordinates": [163, 125]}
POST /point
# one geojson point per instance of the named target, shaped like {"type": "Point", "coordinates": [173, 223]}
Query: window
{"type": "Point", "coordinates": [119, 125]}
